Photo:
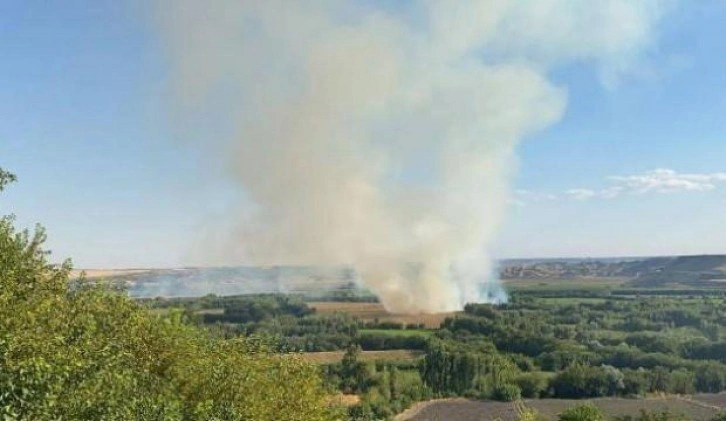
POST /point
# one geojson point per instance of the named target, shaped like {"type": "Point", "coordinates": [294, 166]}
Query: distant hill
{"type": "Point", "coordinates": [693, 271]}
{"type": "Point", "coordinates": [701, 271]}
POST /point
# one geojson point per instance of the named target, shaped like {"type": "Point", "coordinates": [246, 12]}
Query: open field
{"type": "Point", "coordinates": [373, 311]}
{"type": "Point", "coordinates": [565, 283]}
{"type": "Point", "coordinates": [336, 356]}
{"type": "Point", "coordinates": [573, 300]}
{"type": "Point", "coordinates": [714, 399]}
{"type": "Point", "coordinates": [468, 410]}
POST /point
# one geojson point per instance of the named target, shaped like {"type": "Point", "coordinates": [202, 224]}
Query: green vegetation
{"type": "Point", "coordinates": [585, 412]}
{"type": "Point", "coordinates": [562, 343]}
{"type": "Point", "coordinates": [84, 352]}
{"type": "Point", "coordinates": [551, 343]}
{"type": "Point", "coordinates": [80, 350]}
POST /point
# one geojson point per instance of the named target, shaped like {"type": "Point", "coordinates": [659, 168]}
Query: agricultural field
{"type": "Point", "coordinates": [555, 344]}
{"type": "Point", "coordinates": [716, 400]}
{"type": "Point", "coordinates": [331, 357]}
{"type": "Point", "coordinates": [376, 311]}
{"type": "Point", "coordinates": [548, 409]}
{"type": "Point", "coordinates": [594, 283]}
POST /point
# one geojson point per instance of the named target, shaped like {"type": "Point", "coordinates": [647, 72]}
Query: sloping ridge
{"type": "Point", "coordinates": [700, 270]}
{"type": "Point", "coordinates": [703, 263]}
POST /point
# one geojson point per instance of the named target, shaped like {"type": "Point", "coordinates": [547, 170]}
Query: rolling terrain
{"type": "Point", "coordinates": [707, 271]}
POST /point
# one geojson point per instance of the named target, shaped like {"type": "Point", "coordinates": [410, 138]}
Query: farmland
{"type": "Point", "coordinates": [548, 409]}
{"type": "Point", "coordinates": [330, 357]}
{"type": "Point", "coordinates": [590, 283]}
{"type": "Point", "coordinates": [376, 311]}
{"type": "Point", "coordinates": [558, 342]}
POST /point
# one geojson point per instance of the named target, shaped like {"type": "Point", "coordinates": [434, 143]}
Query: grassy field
{"type": "Point", "coordinates": [336, 356]}
{"type": "Point", "coordinates": [467, 410]}
{"type": "Point", "coordinates": [573, 300]}
{"type": "Point", "coordinates": [373, 311]}
{"type": "Point", "coordinates": [568, 283]}
{"type": "Point", "coordinates": [397, 332]}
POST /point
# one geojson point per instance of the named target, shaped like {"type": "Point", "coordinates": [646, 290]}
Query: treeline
{"type": "Point", "coordinates": [293, 323]}
{"type": "Point", "coordinates": [249, 309]}
{"type": "Point", "coordinates": [451, 371]}
{"type": "Point", "coordinates": [580, 350]}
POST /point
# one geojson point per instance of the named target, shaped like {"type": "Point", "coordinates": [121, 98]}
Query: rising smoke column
{"type": "Point", "coordinates": [383, 138]}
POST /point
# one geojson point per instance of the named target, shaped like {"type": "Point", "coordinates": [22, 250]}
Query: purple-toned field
{"type": "Point", "coordinates": [702, 407]}
{"type": "Point", "coordinates": [717, 400]}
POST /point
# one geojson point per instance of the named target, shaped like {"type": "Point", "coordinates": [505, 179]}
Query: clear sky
{"type": "Point", "coordinates": [634, 168]}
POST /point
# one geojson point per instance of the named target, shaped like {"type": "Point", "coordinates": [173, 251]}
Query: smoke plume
{"type": "Point", "coordinates": [382, 134]}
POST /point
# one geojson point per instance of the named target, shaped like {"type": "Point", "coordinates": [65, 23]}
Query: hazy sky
{"type": "Point", "coordinates": [635, 167]}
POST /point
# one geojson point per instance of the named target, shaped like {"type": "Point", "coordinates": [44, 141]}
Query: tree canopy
{"type": "Point", "coordinates": [82, 351]}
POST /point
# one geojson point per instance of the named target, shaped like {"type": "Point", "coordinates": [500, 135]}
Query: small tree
{"type": "Point", "coordinates": [507, 392]}
{"type": "Point", "coordinates": [355, 375]}
{"type": "Point", "coordinates": [584, 412]}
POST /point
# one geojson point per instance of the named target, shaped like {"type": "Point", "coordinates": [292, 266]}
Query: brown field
{"type": "Point", "coordinates": [336, 356]}
{"type": "Point", "coordinates": [372, 311]}
{"type": "Point", "coordinates": [468, 410]}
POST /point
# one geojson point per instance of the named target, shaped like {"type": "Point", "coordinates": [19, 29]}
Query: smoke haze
{"type": "Point", "coordinates": [382, 135]}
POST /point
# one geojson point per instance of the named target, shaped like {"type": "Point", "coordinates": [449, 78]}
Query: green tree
{"type": "Point", "coordinates": [79, 352]}
{"type": "Point", "coordinates": [532, 384]}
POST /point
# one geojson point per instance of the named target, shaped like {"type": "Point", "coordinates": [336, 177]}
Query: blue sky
{"type": "Point", "coordinates": [83, 124]}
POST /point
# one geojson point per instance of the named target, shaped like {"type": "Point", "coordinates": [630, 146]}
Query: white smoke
{"type": "Point", "coordinates": [384, 137]}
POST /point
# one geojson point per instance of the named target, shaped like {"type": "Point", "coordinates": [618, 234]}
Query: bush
{"type": "Point", "coordinates": [532, 385]}
{"type": "Point", "coordinates": [585, 412]}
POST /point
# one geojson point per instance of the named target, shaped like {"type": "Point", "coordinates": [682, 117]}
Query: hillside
{"type": "Point", "coordinates": [704, 270]}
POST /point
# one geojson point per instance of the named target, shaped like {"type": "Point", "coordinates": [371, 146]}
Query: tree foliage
{"type": "Point", "coordinates": [80, 352]}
